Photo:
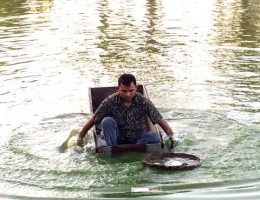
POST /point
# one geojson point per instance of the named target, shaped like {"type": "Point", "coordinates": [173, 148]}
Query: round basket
{"type": "Point", "coordinates": [173, 161]}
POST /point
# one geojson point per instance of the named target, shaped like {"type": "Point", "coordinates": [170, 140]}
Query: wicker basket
{"type": "Point", "coordinates": [172, 161]}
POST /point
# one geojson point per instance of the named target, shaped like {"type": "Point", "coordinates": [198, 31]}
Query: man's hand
{"type": "Point", "coordinates": [165, 126]}
{"type": "Point", "coordinates": [80, 142]}
{"type": "Point", "coordinates": [170, 134]}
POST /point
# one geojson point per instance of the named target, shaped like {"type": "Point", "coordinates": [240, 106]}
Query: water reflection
{"type": "Point", "coordinates": [153, 19]}
{"type": "Point", "coordinates": [199, 60]}
{"type": "Point", "coordinates": [12, 8]}
{"type": "Point", "coordinates": [22, 7]}
{"type": "Point", "coordinates": [250, 27]}
{"type": "Point", "coordinates": [236, 56]}
{"type": "Point", "coordinates": [237, 23]}
{"type": "Point", "coordinates": [39, 6]}
{"type": "Point", "coordinates": [130, 42]}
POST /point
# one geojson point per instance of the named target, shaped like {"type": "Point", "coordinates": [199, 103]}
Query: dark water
{"type": "Point", "coordinates": [200, 61]}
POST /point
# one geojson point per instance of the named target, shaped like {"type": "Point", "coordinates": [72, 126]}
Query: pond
{"type": "Point", "coordinates": [199, 60]}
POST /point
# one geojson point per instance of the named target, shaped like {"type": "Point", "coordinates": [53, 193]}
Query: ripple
{"type": "Point", "coordinates": [32, 159]}
{"type": "Point", "coordinates": [201, 70]}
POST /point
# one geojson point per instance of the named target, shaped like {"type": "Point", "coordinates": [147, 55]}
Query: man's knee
{"type": "Point", "coordinates": [108, 121]}
{"type": "Point", "coordinates": [149, 138]}
{"type": "Point", "coordinates": [109, 130]}
{"type": "Point", "coordinates": [154, 136]}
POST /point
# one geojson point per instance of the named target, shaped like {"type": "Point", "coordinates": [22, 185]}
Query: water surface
{"type": "Point", "coordinates": [200, 62]}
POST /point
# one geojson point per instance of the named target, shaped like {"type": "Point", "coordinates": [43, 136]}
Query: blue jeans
{"type": "Point", "coordinates": [112, 134]}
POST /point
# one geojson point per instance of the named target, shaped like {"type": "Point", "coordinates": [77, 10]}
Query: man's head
{"type": "Point", "coordinates": [127, 87]}
{"type": "Point", "coordinates": [126, 79]}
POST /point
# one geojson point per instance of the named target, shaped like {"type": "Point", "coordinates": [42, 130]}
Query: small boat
{"type": "Point", "coordinates": [96, 96]}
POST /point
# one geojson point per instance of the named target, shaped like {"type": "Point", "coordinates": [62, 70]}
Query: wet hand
{"type": "Point", "coordinates": [80, 142]}
{"type": "Point", "coordinates": [170, 134]}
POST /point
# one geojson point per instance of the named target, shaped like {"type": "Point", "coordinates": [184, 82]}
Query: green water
{"type": "Point", "coordinates": [200, 62]}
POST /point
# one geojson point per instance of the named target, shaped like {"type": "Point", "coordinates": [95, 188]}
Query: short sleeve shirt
{"type": "Point", "coordinates": [130, 120]}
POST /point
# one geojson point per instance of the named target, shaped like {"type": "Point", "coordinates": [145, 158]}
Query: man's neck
{"type": "Point", "coordinates": [127, 103]}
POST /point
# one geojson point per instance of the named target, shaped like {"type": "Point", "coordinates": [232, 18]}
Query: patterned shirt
{"type": "Point", "coordinates": [130, 120]}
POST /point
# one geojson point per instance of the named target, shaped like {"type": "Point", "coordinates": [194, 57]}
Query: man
{"type": "Point", "coordinates": [123, 117]}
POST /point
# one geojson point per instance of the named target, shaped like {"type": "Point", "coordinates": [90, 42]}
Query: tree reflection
{"type": "Point", "coordinates": [237, 52]}
{"type": "Point", "coordinates": [130, 35]}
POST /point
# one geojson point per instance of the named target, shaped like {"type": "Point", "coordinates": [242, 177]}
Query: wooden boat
{"type": "Point", "coordinates": [97, 95]}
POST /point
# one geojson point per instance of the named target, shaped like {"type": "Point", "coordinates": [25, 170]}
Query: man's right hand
{"type": "Point", "coordinates": [80, 142]}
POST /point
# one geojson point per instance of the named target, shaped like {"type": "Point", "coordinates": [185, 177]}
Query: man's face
{"type": "Point", "coordinates": [127, 92]}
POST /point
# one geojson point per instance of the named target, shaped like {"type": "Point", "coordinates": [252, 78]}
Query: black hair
{"type": "Point", "coordinates": [126, 79]}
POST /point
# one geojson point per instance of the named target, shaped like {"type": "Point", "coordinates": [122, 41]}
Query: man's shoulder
{"type": "Point", "coordinates": [141, 98]}
{"type": "Point", "coordinates": [112, 97]}
{"type": "Point", "coordinates": [139, 95]}
{"type": "Point", "coordinates": [109, 100]}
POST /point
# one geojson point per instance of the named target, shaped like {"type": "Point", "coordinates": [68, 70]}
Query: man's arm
{"type": "Point", "coordinates": [88, 125]}
{"type": "Point", "coordinates": [165, 126]}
